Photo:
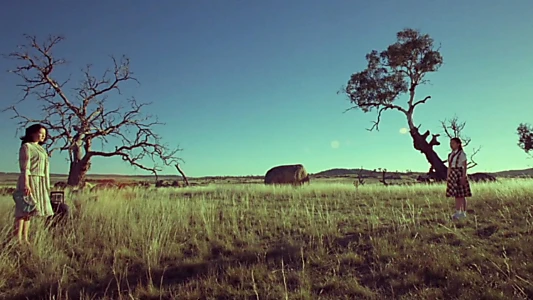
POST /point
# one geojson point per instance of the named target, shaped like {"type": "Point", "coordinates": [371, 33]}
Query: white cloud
{"type": "Point", "coordinates": [335, 144]}
{"type": "Point", "coordinates": [404, 130]}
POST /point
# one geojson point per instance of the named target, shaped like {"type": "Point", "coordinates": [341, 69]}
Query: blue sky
{"type": "Point", "coordinates": [246, 85]}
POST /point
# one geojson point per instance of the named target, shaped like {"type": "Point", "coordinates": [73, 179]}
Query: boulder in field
{"type": "Point", "coordinates": [287, 174]}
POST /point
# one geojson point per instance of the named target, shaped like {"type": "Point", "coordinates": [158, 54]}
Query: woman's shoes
{"type": "Point", "coordinates": [459, 215]}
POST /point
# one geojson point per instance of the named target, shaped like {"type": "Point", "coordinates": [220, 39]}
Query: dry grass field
{"type": "Point", "coordinates": [235, 240]}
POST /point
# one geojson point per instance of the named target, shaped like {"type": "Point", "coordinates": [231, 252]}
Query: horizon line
{"type": "Point", "coordinates": [175, 175]}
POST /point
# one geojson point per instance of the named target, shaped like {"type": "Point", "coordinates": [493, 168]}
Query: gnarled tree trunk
{"type": "Point", "coordinates": [421, 144]}
{"type": "Point", "coordinates": [79, 166]}
{"type": "Point", "coordinates": [77, 172]}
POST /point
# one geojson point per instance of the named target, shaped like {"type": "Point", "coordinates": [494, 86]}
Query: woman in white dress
{"type": "Point", "coordinates": [33, 182]}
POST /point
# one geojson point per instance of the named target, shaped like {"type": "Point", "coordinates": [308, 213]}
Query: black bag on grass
{"type": "Point", "coordinates": [61, 209]}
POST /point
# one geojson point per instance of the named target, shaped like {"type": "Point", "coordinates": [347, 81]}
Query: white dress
{"type": "Point", "coordinates": [33, 161]}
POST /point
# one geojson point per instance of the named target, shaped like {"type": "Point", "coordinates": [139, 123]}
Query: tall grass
{"type": "Point", "coordinates": [323, 241]}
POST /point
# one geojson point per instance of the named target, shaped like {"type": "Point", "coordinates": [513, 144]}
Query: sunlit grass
{"type": "Point", "coordinates": [323, 241]}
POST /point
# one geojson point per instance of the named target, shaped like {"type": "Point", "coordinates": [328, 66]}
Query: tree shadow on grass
{"type": "Point", "coordinates": [139, 275]}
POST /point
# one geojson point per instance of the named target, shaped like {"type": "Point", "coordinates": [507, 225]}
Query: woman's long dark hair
{"type": "Point", "coordinates": [30, 131]}
{"type": "Point", "coordinates": [458, 141]}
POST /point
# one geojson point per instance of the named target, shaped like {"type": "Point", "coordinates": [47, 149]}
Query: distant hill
{"type": "Point", "coordinates": [339, 172]}
{"type": "Point", "coordinates": [516, 173]}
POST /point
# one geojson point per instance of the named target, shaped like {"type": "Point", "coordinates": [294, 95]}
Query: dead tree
{"type": "Point", "coordinates": [76, 122]}
{"type": "Point", "coordinates": [453, 128]}
{"type": "Point", "coordinates": [360, 179]}
{"type": "Point", "coordinates": [525, 137]}
{"type": "Point", "coordinates": [182, 174]}
{"type": "Point", "coordinates": [384, 177]}
{"type": "Point", "coordinates": [396, 71]}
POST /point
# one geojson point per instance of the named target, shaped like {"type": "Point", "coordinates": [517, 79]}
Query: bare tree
{"type": "Point", "coordinates": [384, 177]}
{"type": "Point", "coordinates": [525, 137]}
{"type": "Point", "coordinates": [399, 70]}
{"type": "Point", "coordinates": [454, 128]}
{"type": "Point", "coordinates": [360, 178]}
{"type": "Point", "coordinates": [182, 174]}
{"type": "Point", "coordinates": [76, 123]}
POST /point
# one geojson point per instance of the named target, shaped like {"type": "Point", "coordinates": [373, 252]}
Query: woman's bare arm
{"type": "Point", "coordinates": [47, 175]}
{"type": "Point", "coordinates": [464, 164]}
{"type": "Point", "coordinates": [24, 163]}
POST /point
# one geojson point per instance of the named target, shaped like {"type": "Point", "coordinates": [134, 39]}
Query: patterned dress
{"type": "Point", "coordinates": [454, 188]}
{"type": "Point", "coordinates": [34, 166]}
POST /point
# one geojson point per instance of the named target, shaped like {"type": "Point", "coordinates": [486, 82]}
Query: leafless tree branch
{"type": "Point", "coordinates": [384, 177]}
{"type": "Point", "coordinates": [380, 106]}
{"type": "Point", "coordinates": [453, 128]}
{"type": "Point", "coordinates": [75, 124]}
{"type": "Point", "coordinates": [471, 162]}
{"type": "Point", "coordinates": [420, 102]}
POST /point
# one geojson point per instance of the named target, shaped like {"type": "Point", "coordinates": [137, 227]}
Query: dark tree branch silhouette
{"type": "Point", "coordinates": [454, 128]}
{"type": "Point", "coordinates": [384, 177]}
{"type": "Point", "coordinates": [396, 71]}
{"type": "Point", "coordinates": [75, 123]}
{"type": "Point", "coordinates": [525, 137]}
{"type": "Point", "coordinates": [360, 178]}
